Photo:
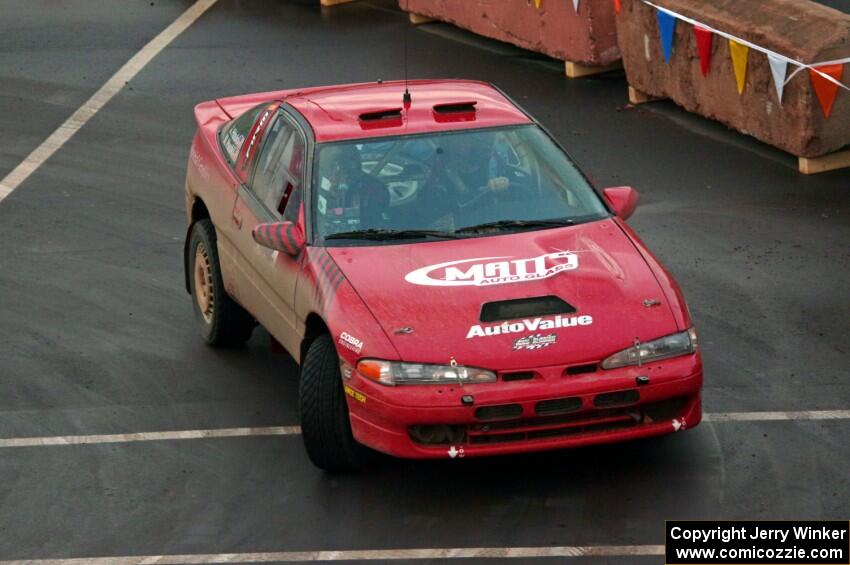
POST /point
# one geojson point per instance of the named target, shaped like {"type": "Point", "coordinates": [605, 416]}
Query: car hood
{"type": "Point", "coordinates": [428, 296]}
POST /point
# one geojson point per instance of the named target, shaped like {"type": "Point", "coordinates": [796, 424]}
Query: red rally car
{"type": "Point", "coordinates": [449, 282]}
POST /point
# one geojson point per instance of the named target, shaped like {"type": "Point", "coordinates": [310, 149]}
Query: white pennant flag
{"type": "Point", "coordinates": [575, 5]}
{"type": "Point", "coordinates": [778, 67]}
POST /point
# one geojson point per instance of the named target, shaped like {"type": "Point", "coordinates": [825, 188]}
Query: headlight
{"type": "Point", "coordinates": [395, 373]}
{"type": "Point", "coordinates": [662, 348]}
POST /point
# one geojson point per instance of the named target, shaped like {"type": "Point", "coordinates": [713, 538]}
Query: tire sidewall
{"type": "Point", "coordinates": [325, 419]}
{"type": "Point", "coordinates": [200, 235]}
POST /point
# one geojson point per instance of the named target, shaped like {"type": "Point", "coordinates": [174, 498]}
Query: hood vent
{"type": "Point", "coordinates": [455, 107]}
{"type": "Point", "coordinates": [383, 114]}
{"type": "Point", "coordinates": [455, 112]}
{"type": "Point", "coordinates": [524, 308]}
{"type": "Point", "coordinates": [385, 118]}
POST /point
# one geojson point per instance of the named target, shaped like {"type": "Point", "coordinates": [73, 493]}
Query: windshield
{"type": "Point", "coordinates": [454, 184]}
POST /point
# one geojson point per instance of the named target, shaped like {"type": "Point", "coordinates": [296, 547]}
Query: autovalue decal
{"type": "Point", "coordinates": [484, 271]}
{"type": "Point", "coordinates": [528, 325]}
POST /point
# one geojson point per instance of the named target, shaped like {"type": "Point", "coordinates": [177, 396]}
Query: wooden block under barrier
{"type": "Point", "coordinates": [639, 97]}
{"type": "Point", "coordinates": [328, 3]}
{"type": "Point", "coordinates": [831, 162]}
{"type": "Point", "coordinates": [417, 19]}
{"type": "Point", "coordinates": [577, 70]}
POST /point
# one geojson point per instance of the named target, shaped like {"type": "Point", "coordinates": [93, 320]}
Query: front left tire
{"type": "Point", "coordinates": [325, 423]}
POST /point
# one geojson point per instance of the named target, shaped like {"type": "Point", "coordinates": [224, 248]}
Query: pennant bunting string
{"type": "Point", "coordinates": [740, 54]}
{"type": "Point", "coordinates": [813, 68]}
{"type": "Point", "coordinates": [826, 90]}
{"type": "Point", "coordinates": [800, 66]}
{"type": "Point", "coordinates": [704, 39]}
{"type": "Point", "coordinates": [778, 68]}
{"type": "Point", "coordinates": [667, 30]}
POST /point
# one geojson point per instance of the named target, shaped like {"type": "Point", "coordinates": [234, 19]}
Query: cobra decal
{"type": "Point", "coordinates": [350, 342]}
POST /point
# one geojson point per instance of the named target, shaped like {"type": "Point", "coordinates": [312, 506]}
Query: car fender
{"type": "Point", "coordinates": [324, 292]}
{"type": "Point", "coordinates": [669, 287]}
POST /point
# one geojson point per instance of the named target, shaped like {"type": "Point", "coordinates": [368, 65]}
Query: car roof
{"type": "Point", "coordinates": [337, 112]}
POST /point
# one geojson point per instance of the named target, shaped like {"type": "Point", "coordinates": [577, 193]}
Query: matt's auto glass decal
{"type": "Point", "coordinates": [483, 271]}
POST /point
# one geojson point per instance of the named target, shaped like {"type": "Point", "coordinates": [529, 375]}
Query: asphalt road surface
{"type": "Point", "coordinates": [98, 334]}
{"type": "Point", "coordinates": [842, 5]}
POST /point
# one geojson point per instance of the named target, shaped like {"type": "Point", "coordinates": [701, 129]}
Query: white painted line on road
{"type": "Point", "coordinates": [363, 555]}
{"type": "Point", "coordinates": [99, 99]}
{"type": "Point", "coordinates": [149, 436]}
{"type": "Point", "coordinates": [716, 418]}
{"type": "Point", "coordinates": [777, 416]}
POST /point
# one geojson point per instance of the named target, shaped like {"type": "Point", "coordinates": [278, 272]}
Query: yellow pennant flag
{"type": "Point", "coordinates": [537, 3]}
{"type": "Point", "coordinates": [739, 61]}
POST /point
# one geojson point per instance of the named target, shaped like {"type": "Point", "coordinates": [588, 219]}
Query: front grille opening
{"type": "Point", "coordinates": [500, 412]}
{"type": "Point", "coordinates": [558, 406]}
{"type": "Point", "coordinates": [581, 369]}
{"type": "Point", "coordinates": [518, 376]}
{"type": "Point", "coordinates": [437, 435]}
{"type": "Point", "coordinates": [554, 432]}
{"type": "Point", "coordinates": [619, 398]}
{"type": "Point", "coordinates": [574, 424]}
{"type": "Point", "coordinates": [524, 308]}
{"type": "Point", "coordinates": [665, 409]}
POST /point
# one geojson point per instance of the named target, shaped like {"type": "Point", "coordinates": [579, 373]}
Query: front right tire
{"type": "Point", "coordinates": [325, 423]}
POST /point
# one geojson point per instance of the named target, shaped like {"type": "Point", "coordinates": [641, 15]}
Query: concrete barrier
{"type": "Point", "coordinates": [586, 40]}
{"type": "Point", "coordinates": [799, 29]}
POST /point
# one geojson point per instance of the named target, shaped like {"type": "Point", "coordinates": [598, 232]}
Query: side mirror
{"type": "Point", "coordinates": [280, 236]}
{"type": "Point", "coordinates": [623, 199]}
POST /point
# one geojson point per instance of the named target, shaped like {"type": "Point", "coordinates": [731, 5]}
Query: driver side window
{"type": "Point", "coordinates": [277, 177]}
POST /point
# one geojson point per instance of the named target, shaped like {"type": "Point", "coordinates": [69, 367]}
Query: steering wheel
{"type": "Point", "coordinates": [403, 180]}
{"type": "Point", "coordinates": [527, 183]}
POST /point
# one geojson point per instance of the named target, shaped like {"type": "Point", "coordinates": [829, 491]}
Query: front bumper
{"type": "Point", "coordinates": [551, 410]}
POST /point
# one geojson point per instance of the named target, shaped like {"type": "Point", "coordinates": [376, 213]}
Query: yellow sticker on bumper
{"type": "Point", "coordinates": [358, 396]}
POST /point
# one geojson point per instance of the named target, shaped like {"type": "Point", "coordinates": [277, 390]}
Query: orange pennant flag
{"type": "Point", "coordinates": [618, 5]}
{"type": "Point", "coordinates": [739, 54]}
{"type": "Point", "coordinates": [825, 88]}
{"type": "Point", "coordinates": [537, 3]}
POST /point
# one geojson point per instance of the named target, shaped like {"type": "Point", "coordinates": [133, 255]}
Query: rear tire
{"type": "Point", "coordinates": [222, 321]}
{"type": "Point", "coordinates": [325, 423]}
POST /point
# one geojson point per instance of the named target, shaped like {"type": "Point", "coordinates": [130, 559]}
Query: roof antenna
{"type": "Point", "coordinates": [406, 98]}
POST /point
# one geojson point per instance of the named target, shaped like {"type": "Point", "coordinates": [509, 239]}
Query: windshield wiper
{"type": "Point", "coordinates": [517, 224]}
{"type": "Point", "coordinates": [385, 234]}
